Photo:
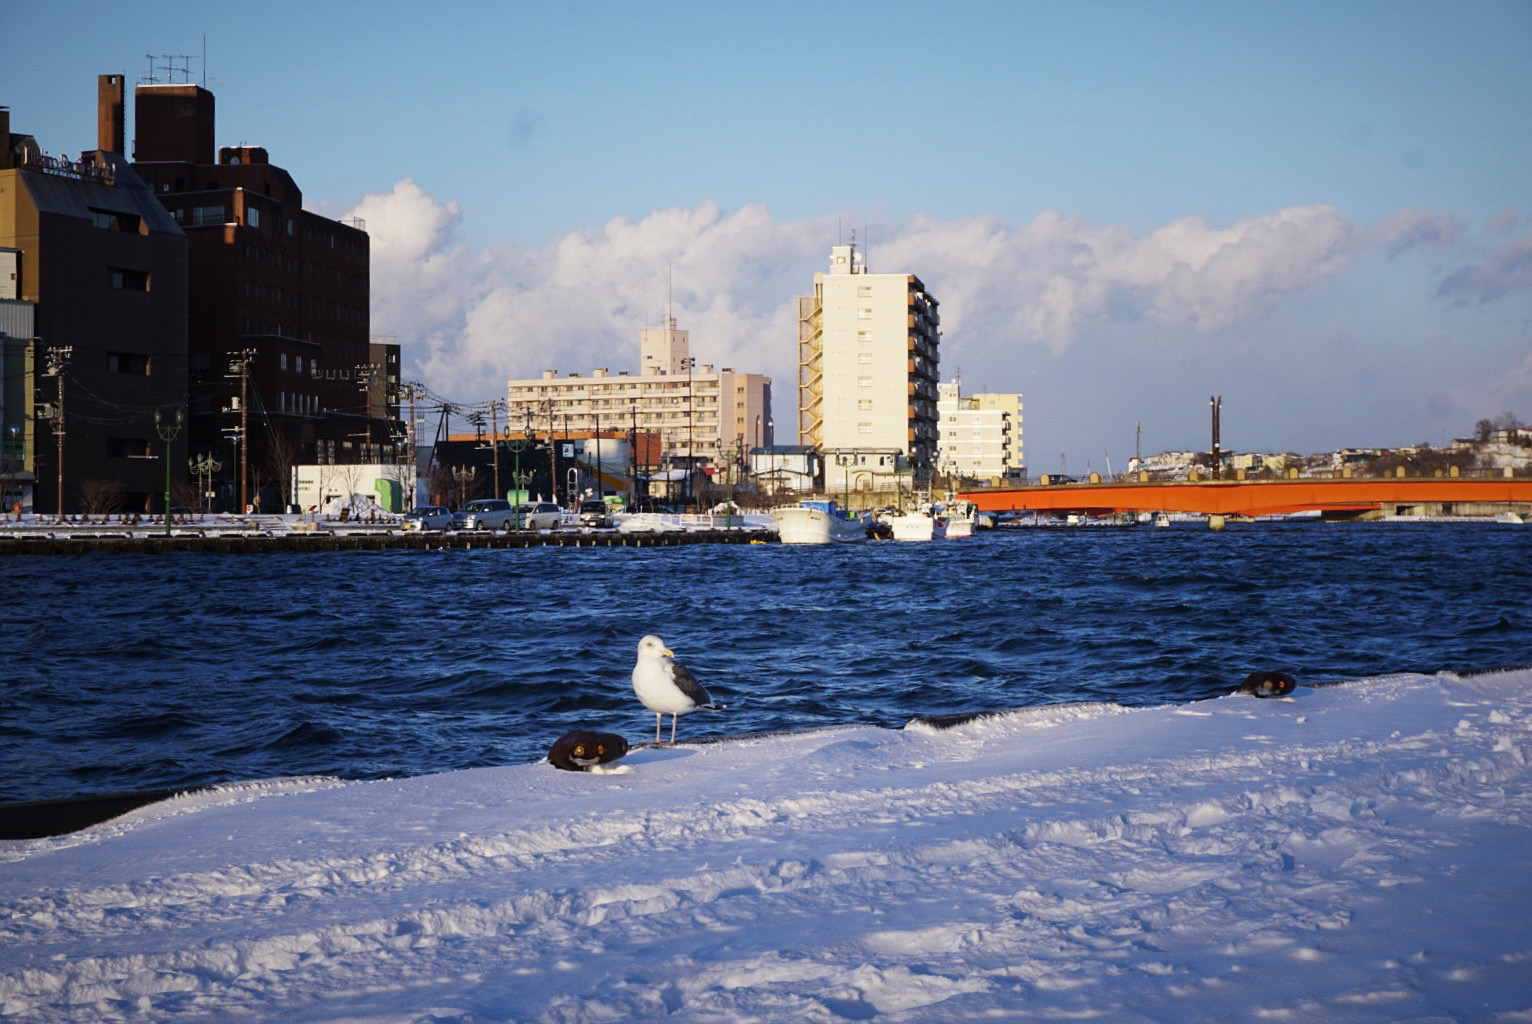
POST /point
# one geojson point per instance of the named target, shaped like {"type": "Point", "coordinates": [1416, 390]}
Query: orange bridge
{"type": "Point", "coordinates": [1391, 495]}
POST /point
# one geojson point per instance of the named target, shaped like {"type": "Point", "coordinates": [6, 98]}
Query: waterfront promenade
{"type": "Point", "coordinates": [252, 534]}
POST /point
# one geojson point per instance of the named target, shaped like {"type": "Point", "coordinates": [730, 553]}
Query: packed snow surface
{"type": "Point", "coordinates": [1358, 852]}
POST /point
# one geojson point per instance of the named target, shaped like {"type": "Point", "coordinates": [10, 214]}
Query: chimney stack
{"type": "Point", "coordinates": [110, 129]}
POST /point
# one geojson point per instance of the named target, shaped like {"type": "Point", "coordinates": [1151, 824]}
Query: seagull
{"type": "Point", "coordinates": [667, 687]}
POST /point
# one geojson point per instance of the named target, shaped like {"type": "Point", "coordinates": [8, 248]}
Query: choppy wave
{"type": "Point", "coordinates": [144, 672]}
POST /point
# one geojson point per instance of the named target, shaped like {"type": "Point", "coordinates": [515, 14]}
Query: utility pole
{"type": "Point", "coordinates": [553, 460]}
{"type": "Point", "coordinates": [58, 360]}
{"type": "Point", "coordinates": [240, 364]}
{"type": "Point", "coordinates": [691, 426]}
{"type": "Point", "coordinates": [494, 440]}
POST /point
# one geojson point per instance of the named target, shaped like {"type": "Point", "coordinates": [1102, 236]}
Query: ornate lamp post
{"type": "Point", "coordinates": [168, 432]}
{"type": "Point", "coordinates": [518, 478]}
{"type": "Point", "coordinates": [463, 476]}
{"type": "Point", "coordinates": [204, 466]}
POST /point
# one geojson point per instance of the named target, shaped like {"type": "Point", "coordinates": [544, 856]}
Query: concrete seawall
{"type": "Point", "coordinates": [68, 542]}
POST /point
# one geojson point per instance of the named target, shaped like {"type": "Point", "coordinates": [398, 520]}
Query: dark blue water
{"type": "Point", "coordinates": [128, 672]}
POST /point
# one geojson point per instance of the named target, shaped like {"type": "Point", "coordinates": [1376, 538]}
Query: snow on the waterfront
{"type": "Point", "coordinates": [1359, 852]}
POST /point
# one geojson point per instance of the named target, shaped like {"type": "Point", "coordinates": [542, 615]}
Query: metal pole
{"type": "Point", "coordinates": [553, 461]}
{"type": "Point", "coordinates": [494, 442]}
{"type": "Point", "coordinates": [168, 433]}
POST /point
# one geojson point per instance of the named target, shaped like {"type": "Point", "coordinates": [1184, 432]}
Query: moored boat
{"type": "Point", "coordinates": [962, 518]}
{"type": "Point", "coordinates": [817, 521]}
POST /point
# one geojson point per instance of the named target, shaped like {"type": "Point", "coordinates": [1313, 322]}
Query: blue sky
{"type": "Point", "coordinates": [1318, 211]}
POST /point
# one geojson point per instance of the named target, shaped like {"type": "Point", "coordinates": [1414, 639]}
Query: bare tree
{"type": "Point", "coordinates": [98, 497]}
{"type": "Point", "coordinates": [283, 452]}
{"type": "Point", "coordinates": [185, 494]}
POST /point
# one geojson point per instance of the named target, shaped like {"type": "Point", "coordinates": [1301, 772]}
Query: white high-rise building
{"type": "Point", "coordinates": [981, 435]}
{"type": "Point", "coordinates": [867, 373]}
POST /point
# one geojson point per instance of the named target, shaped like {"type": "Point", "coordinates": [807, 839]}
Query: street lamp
{"type": "Point", "coordinates": [771, 442]}
{"type": "Point", "coordinates": [204, 466]}
{"type": "Point", "coordinates": [12, 456]}
{"type": "Point", "coordinates": [843, 460]}
{"type": "Point", "coordinates": [168, 432]}
{"type": "Point", "coordinates": [463, 477]}
{"type": "Point", "coordinates": [518, 478]}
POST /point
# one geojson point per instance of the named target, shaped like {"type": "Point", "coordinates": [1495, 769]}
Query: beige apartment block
{"type": "Point", "coordinates": [695, 410]}
{"type": "Point", "coordinates": [981, 435]}
{"type": "Point", "coordinates": [867, 367]}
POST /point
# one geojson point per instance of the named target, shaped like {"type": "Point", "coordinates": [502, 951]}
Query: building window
{"type": "Point", "coordinates": [864, 405]}
{"type": "Point", "coordinates": [127, 362]}
{"type": "Point", "coordinates": [252, 216]}
{"type": "Point", "coordinates": [128, 448]}
{"type": "Point", "coordinates": [110, 220]}
{"type": "Point", "coordinates": [864, 313]}
{"type": "Point", "coordinates": [864, 291]}
{"type": "Point", "coordinates": [283, 359]}
{"type": "Point", "coordinates": [865, 358]}
{"type": "Point", "coordinates": [203, 215]}
{"type": "Point", "coordinates": [864, 336]}
{"type": "Point", "coordinates": [864, 382]}
{"type": "Point", "coordinates": [130, 280]}
{"type": "Point", "coordinates": [864, 428]}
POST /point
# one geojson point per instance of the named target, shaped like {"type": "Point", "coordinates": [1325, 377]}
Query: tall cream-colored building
{"type": "Point", "coordinates": [867, 368]}
{"type": "Point", "coordinates": [981, 435]}
{"type": "Point", "coordinates": [692, 408]}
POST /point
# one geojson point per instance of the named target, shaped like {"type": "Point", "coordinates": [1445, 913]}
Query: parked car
{"type": "Point", "coordinates": [595, 513]}
{"type": "Point", "coordinates": [484, 514]}
{"type": "Point", "coordinates": [428, 517]}
{"type": "Point", "coordinates": [540, 515]}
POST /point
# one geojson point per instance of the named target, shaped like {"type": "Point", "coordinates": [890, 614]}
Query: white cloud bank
{"type": "Point", "coordinates": [472, 316]}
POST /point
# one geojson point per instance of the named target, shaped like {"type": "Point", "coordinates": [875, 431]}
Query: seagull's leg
{"type": "Point", "coordinates": [673, 729]}
{"type": "Point", "coordinates": [658, 718]}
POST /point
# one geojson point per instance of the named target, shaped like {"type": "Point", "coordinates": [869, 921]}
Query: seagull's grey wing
{"type": "Point", "coordinates": [688, 683]}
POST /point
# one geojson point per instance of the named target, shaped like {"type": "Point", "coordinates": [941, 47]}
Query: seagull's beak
{"type": "Point", "coordinates": [668, 652]}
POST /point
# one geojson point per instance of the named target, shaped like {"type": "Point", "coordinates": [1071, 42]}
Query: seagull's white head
{"type": "Point", "coordinates": [653, 645]}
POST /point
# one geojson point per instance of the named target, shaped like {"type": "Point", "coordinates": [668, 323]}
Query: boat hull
{"type": "Point", "coordinates": [799, 525]}
{"type": "Point", "coordinates": [913, 526]}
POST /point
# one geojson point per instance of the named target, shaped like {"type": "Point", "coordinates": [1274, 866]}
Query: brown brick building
{"type": "Point", "coordinates": [278, 304]}
{"type": "Point", "coordinates": [101, 268]}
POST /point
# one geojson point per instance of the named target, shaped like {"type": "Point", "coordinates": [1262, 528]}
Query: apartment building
{"type": "Point", "coordinates": [981, 435]}
{"type": "Point", "coordinates": [868, 373]}
{"type": "Point", "coordinates": [700, 415]}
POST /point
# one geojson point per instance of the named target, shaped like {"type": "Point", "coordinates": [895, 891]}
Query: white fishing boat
{"type": "Point", "coordinates": [922, 523]}
{"type": "Point", "coordinates": [962, 518]}
{"type": "Point", "coordinates": [817, 522]}
{"type": "Point", "coordinates": [1162, 520]}
{"type": "Point", "coordinates": [913, 526]}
